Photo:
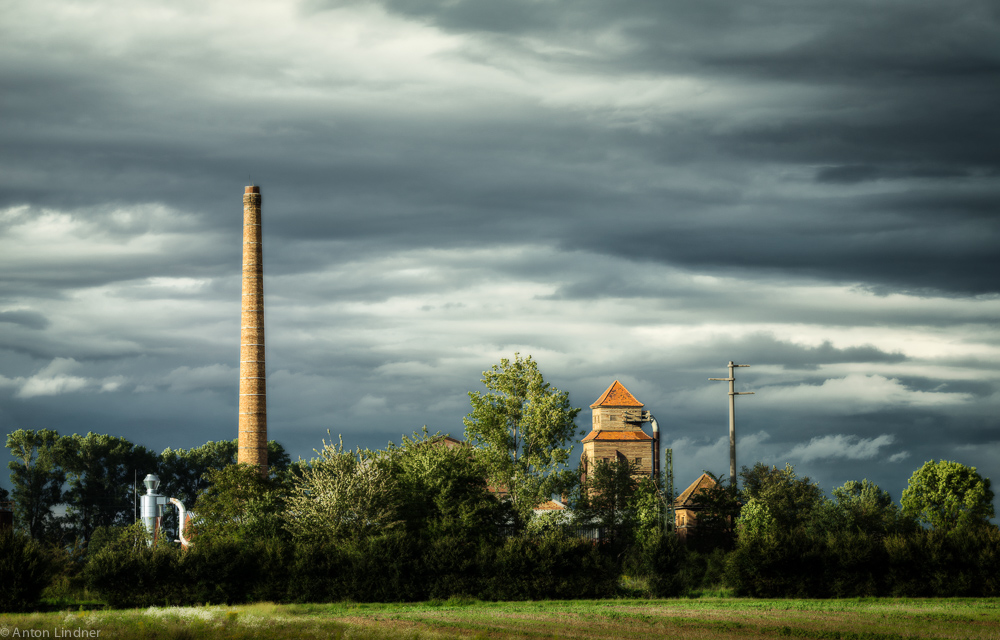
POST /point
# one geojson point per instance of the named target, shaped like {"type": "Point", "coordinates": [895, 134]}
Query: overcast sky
{"type": "Point", "coordinates": [638, 190]}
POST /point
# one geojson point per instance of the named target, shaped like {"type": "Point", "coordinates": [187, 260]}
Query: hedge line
{"type": "Point", "coordinates": [388, 568]}
{"type": "Point", "coordinates": [960, 563]}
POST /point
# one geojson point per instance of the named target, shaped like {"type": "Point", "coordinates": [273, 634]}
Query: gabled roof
{"type": "Point", "coordinates": [448, 441]}
{"type": "Point", "coordinates": [616, 396]}
{"type": "Point", "coordinates": [551, 505]}
{"type": "Point", "coordinates": [616, 436]}
{"type": "Point", "coordinates": [703, 482]}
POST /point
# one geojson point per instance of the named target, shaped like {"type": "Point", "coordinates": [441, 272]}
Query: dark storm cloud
{"type": "Point", "coordinates": [765, 349]}
{"type": "Point", "coordinates": [903, 93]}
{"type": "Point", "coordinates": [809, 41]}
{"type": "Point", "coordinates": [855, 173]}
{"type": "Point", "coordinates": [642, 190]}
{"type": "Point", "coordinates": [29, 319]}
{"type": "Point", "coordinates": [404, 180]}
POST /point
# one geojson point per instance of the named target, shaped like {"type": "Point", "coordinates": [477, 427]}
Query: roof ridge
{"type": "Point", "coordinates": [686, 495]}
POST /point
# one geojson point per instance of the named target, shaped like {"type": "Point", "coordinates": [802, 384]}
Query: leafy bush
{"type": "Point", "coordinates": [668, 566]}
{"type": "Point", "coordinates": [26, 568]}
{"type": "Point", "coordinates": [231, 572]}
{"type": "Point", "coordinates": [779, 565]}
{"type": "Point", "coordinates": [855, 565]}
{"type": "Point", "coordinates": [554, 566]}
{"type": "Point", "coordinates": [127, 572]}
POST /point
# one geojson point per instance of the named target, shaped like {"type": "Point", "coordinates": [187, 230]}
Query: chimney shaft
{"type": "Point", "coordinates": [656, 449]}
{"type": "Point", "coordinates": [253, 398]}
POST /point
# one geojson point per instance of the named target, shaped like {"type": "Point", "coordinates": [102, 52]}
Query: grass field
{"type": "Point", "coordinates": [702, 619]}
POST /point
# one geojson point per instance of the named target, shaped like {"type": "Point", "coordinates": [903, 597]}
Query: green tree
{"type": "Point", "coordinates": [607, 500]}
{"type": "Point", "coordinates": [789, 500]}
{"type": "Point", "coordinates": [442, 490]}
{"type": "Point", "coordinates": [239, 505]}
{"type": "Point", "coordinates": [100, 471]}
{"type": "Point", "coordinates": [37, 479]}
{"type": "Point", "coordinates": [523, 429]}
{"type": "Point", "coordinates": [718, 508]}
{"type": "Point", "coordinates": [756, 522]}
{"type": "Point", "coordinates": [866, 508]}
{"type": "Point", "coordinates": [182, 471]}
{"type": "Point", "coordinates": [343, 494]}
{"type": "Point", "coordinates": [26, 568]}
{"type": "Point", "coordinates": [947, 495]}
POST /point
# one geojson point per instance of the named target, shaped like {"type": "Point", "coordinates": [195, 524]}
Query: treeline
{"type": "Point", "coordinates": [66, 486]}
{"type": "Point", "coordinates": [411, 522]}
{"type": "Point", "coordinates": [418, 521]}
{"type": "Point", "coordinates": [780, 536]}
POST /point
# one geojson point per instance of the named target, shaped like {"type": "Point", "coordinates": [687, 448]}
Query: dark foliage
{"type": "Point", "coordinates": [665, 562]}
{"type": "Point", "coordinates": [26, 568]}
{"type": "Point", "coordinates": [850, 564]}
{"type": "Point", "coordinates": [718, 508]}
{"type": "Point", "coordinates": [128, 572]}
{"type": "Point", "coordinates": [390, 568]}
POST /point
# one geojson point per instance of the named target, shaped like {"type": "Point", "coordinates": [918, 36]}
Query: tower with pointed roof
{"type": "Point", "coordinates": [617, 432]}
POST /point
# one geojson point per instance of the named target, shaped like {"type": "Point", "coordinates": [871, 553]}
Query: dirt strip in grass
{"type": "Point", "coordinates": [705, 619]}
{"type": "Point", "coordinates": [823, 620]}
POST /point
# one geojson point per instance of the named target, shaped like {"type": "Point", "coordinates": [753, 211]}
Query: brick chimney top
{"type": "Point", "coordinates": [252, 190]}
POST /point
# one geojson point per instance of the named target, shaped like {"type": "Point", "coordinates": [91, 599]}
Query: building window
{"type": "Point", "coordinates": [638, 461]}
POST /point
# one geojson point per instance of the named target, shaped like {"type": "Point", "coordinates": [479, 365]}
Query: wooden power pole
{"type": "Point", "coordinates": [732, 417]}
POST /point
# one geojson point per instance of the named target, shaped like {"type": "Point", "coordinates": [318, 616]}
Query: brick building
{"type": "Point", "coordinates": [617, 432]}
{"type": "Point", "coordinates": [685, 510]}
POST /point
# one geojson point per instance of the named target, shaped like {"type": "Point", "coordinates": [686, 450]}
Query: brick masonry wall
{"type": "Point", "coordinates": [253, 397]}
{"type": "Point", "coordinates": [609, 450]}
{"type": "Point", "coordinates": [613, 419]}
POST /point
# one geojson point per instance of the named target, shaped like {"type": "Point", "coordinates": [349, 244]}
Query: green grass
{"type": "Point", "coordinates": [458, 617]}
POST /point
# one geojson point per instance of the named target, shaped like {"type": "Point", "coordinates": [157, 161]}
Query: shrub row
{"type": "Point", "coordinates": [962, 563]}
{"type": "Point", "coordinates": [387, 568]}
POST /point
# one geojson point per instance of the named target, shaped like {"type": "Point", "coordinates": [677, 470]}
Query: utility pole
{"type": "Point", "coordinates": [732, 417]}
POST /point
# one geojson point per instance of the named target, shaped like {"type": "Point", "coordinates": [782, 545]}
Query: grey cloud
{"type": "Point", "coordinates": [766, 349]}
{"type": "Point", "coordinates": [855, 173]}
{"type": "Point", "coordinates": [817, 144]}
{"type": "Point", "coordinates": [25, 318]}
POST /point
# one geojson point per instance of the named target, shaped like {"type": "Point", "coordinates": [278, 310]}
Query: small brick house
{"type": "Point", "coordinates": [686, 512]}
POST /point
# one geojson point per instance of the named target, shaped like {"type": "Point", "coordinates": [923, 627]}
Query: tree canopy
{"type": "Point", "coordinates": [100, 470]}
{"type": "Point", "coordinates": [718, 508]}
{"type": "Point", "coordinates": [37, 479]}
{"type": "Point", "coordinates": [442, 490]}
{"type": "Point", "coordinates": [523, 429]}
{"type": "Point", "coordinates": [789, 499]}
{"type": "Point", "coordinates": [239, 504]}
{"type": "Point", "coordinates": [947, 495]}
{"type": "Point", "coordinates": [182, 471]}
{"type": "Point", "coordinates": [620, 501]}
{"type": "Point", "coordinates": [342, 493]}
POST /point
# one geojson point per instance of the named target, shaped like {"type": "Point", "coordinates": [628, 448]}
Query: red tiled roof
{"type": "Point", "coordinates": [703, 482]}
{"type": "Point", "coordinates": [616, 435]}
{"type": "Point", "coordinates": [616, 396]}
{"type": "Point", "coordinates": [448, 441]}
{"type": "Point", "coordinates": [550, 505]}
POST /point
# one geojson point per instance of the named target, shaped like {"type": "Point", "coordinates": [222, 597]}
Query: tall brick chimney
{"type": "Point", "coordinates": [253, 397]}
